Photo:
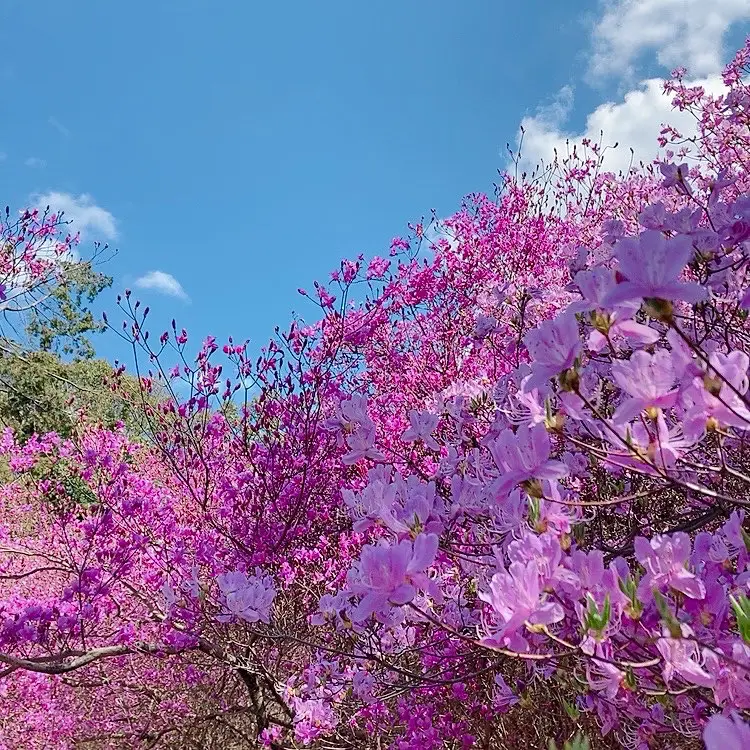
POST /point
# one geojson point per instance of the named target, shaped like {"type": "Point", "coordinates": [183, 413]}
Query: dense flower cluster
{"type": "Point", "coordinates": [505, 469]}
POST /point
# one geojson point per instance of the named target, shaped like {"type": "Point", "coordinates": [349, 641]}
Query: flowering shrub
{"type": "Point", "coordinates": [497, 490]}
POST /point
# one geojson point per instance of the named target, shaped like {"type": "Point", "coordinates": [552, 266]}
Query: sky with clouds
{"type": "Point", "coordinates": [233, 152]}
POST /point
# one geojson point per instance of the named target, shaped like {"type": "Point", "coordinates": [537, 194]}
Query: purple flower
{"type": "Point", "coordinates": [554, 346]}
{"type": "Point", "coordinates": [602, 675]}
{"type": "Point", "coordinates": [683, 657]}
{"type": "Point", "coordinates": [665, 558]}
{"type": "Point", "coordinates": [400, 505]}
{"type": "Point", "coordinates": [651, 445]}
{"type": "Point", "coordinates": [685, 364]}
{"type": "Point", "coordinates": [722, 403]}
{"type": "Point", "coordinates": [652, 265]}
{"type": "Point", "coordinates": [615, 323]}
{"type": "Point", "coordinates": [485, 325]}
{"type": "Point", "coordinates": [732, 676]}
{"type": "Point", "coordinates": [516, 597]}
{"type": "Point", "coordinates": [675, 176]}
{"type": "Point", "coordinates": [361, 445]}
{"type": "Point", "coordinates": [390, 574]}
{"type": "Point", "coordinates": [524, 455]}
{"type": "Point", "coordinates": [503, 697]}
{"type": "Point", "coordinates": [330, 607]}
{"type": "Point", "coordinates": [244, 597]}
{"type": "Point", "coordinates": [423, 425]}
{"type": "Point", "coordinates": [350, 412]}
{"type": "Point", "coordinates": [363, 685]}
{"type": "Point", "coordinates": [649, 379]}
{"type": "Point", "coordinates": [726, 733]}
{"type": "Point", "coordinates": [313, 718]}
{"type": "Point", "coordinates": [653, 216]}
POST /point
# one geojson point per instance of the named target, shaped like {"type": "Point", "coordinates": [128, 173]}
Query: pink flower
{"type": "Point", "coordinates": [377, 267]}
{"type": "Point", "coordinates": [616, 323]}
{"type": "Point", "coordinates": [602, 675]}
{"type": "Point", "coordinates": [652, 266]}
{"type": "Point", "coordinates": [515, 598]}
{"type": "Point", "coordinates": [665, 559]}
{"type": "Point", "coordinates": [683, 657]}
{"type": "Point", "coordinates": [553, 346]}
{"type": "Point", "coordinates": [313, 718]}
{"type": "Point", "coordinates": [423, 424]}
{"type": "Point", "coordinates": [390, 574]}
{"type": "Point", "coordinates": [651, 445]}
{"type": "Point", "coordinates": [722, 404]}
{"type": "Point", "coordinates": [524, 455]}
{"type": "Point", "coordinates": [726, 733]}
{"type": "Point", "coordinates": [649, 379]}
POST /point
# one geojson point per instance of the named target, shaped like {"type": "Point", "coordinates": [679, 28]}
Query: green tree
{"type": "Point", "coordinates": [63, 322]}
{"type": "Point", "coordinates": [40, 392]}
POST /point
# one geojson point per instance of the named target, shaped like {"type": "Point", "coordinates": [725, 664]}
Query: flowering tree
{"type": "Point", "coordinates": [498, 489]}
{"type": "Point", "coordinates": [45, 284]}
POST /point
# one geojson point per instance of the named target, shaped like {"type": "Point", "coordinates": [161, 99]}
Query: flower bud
{"type": "Point", "coordinates": [569, 380]}
{"type": "Point", "coordinates": [660, 309]}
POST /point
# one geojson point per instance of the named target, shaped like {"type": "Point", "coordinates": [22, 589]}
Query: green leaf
{"type": "Point", "coordinates": [741, 609]}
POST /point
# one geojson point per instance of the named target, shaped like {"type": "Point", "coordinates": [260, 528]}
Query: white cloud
{"type": "Point", "coordinates": [34, 162]}
{"type": "Point", "coordinates": [633, 122]}
{"type": "Point", "coordinates": [686, 33]}
{"type": "Point", "coordinates": [58, 126]}
{"type": "Point", "coordinates": [162, 282]}
{"type": "Point", "coordinates": [681, 32]}
{"type": "Point", "coordinates": [91, 220]}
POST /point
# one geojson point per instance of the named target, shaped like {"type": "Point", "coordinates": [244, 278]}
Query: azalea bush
{"type": "Point", "coordinates": [495, 494]}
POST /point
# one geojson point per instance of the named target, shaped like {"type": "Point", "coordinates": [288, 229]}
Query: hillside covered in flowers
{"type": "Point", "coordinates": [494, 496]}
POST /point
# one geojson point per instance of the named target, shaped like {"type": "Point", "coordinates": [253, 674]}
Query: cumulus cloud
{"type": "Point", "coordinates": [633, 122]}
{"type": "Point", "coordinates": [162, 282]}
{"type": "Point", "coordinates": [34, 162]}
{"type": "Point", "coordinates": [680, 32]}
{"type": "Point", "coordinates": [686, 33]}
{"type": "Point", "coordinates": [91, 220]}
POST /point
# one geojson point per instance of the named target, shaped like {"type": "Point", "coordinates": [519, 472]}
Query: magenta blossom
{"type": "Point", "coordinates": [665, 559]}
{"type": "Point", "coordinates": [516, 598]}
{"type": "Point", "coordinates": [648, 379]}
{"type": "Point", "coordinates": [524, 455]}
{"type": "Point", "coordinates": [651, 265]}
{"type": "Point", "coordinates": [390, 574]}
{"type": "Point", "coordinates": [726, 733]}
{"type": "Point", "coordinates": [554, 346]}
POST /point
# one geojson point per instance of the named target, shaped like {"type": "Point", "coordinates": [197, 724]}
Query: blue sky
{"type": "Point", "coordinates": [244, 148]}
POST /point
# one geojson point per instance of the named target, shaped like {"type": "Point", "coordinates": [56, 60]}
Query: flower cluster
{"type": "Point", "coordinates": [513, 477]}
